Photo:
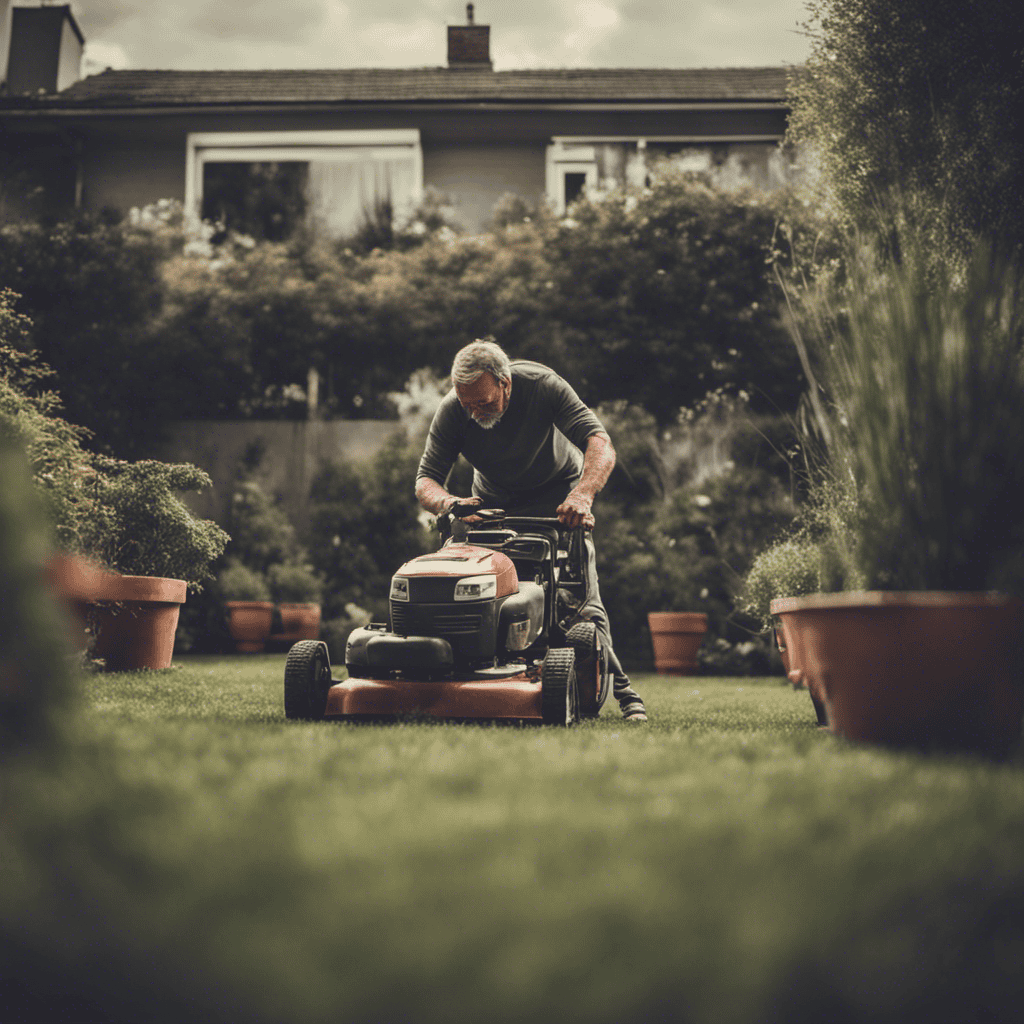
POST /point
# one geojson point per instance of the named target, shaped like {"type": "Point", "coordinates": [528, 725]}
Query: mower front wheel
{"type": "Point", "coordinates": [559, 703]}
{"type": "Point", "coordinates": [592, 674]}
{"type": "Point", "coordinates": [307, 678]}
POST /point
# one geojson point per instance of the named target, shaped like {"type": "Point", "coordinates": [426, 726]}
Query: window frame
{"type": "Point", "coordinates": [299, 146]}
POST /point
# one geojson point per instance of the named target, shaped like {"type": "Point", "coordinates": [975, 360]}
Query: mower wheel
{"type": "Point", "coordinates": [558, 687]}
{"type": "Point", "coordinates": [592, 676]}
{"type": "Point", "coordinates": [307, 678]}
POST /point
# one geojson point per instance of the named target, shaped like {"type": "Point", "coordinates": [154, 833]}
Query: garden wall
{"type": "Point", "coordinates": [292, 453]}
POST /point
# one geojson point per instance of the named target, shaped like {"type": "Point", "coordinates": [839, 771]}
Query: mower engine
{"type": "Point", "coordinates": [461, 610]}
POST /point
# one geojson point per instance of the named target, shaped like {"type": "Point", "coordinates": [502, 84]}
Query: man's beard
{"type": "Point", "coordinates": [487, 422]}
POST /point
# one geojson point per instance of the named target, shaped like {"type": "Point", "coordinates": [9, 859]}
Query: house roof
{"type": "Point", "coordinates": [149, 90]}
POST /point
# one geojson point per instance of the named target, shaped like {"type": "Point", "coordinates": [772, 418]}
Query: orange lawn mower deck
{"type": "Point", "coordinates": [486, 628]}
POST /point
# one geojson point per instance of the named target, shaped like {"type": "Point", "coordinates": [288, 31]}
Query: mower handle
{"type": "Point", "coordinates": [496, 515]}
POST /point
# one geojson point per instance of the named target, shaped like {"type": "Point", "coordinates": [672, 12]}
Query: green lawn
{"type": "Point", "coordinates": [726, 862]}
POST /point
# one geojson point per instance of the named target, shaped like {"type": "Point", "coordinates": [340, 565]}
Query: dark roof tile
{"type": "Point", "coordinates": [138, 89]}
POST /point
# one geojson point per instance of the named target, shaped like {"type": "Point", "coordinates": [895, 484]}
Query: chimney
{"type": "Point", "coordinates": [45, 50]}
{"type": "Point", "coordinates": [469, 45]}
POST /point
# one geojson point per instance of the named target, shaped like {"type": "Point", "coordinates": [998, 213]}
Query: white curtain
{"type": "Point", "coordinates": [343, 192]}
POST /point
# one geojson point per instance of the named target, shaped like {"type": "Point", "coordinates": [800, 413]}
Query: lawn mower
{"type": "Point", "coordinates": [487, 627]}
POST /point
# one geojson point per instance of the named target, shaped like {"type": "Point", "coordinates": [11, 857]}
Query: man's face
{"type": "Point", "coordinates": [486, 399]}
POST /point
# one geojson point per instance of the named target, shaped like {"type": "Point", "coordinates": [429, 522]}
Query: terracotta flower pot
{"type": "Point", "coordinates": [676, 636]}
{"type": "Point", "coordinates": [298, 622]}
{"type": "Point", "coordinates": [789, 642]}
{"type": "Point", "coordinates": [249, 624]}
{"type": "Point", "coordinates": [917, 669]}
{"type": "Point", "coordinates": [134, 619]}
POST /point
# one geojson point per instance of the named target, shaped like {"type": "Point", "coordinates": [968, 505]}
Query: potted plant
{"type": "Point", "coordinates": [136, 525]}
{"type": "Point", "coordinates": [789, 568]}
{"type": "Point", "coordinates": [297, 591]}
{"type": "Point", "coordinates": [250, 611]}
{"type": "Point", "coordinates": [129, 547]}
{"type": "Point", "coordinates": [924, 480]}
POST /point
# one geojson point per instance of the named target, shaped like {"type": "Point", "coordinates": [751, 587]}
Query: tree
{"type": "Point", "coordinates": [923, 98]}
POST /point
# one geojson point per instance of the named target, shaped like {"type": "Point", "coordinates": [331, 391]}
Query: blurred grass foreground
{"type": "Point", "coordinates": [172, 849]}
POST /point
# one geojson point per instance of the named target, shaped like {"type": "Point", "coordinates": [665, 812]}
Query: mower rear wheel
{"type": "Point", "coordinates": [559, 705]}
{"type": "Point", "coordinates": [592, 675]}
{"type": "Point", "coordinates": [307, 678]}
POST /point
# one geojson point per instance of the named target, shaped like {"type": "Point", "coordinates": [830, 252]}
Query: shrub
{"type": "Point", "coordinates": [237, 582]}
{"type": "Point", "coordinates": [364, 523]}
{"type": "Point", "coordinates": [127, 516]}
{"type": "Point", "coordinates": [294, 584]}
{"type": "Point", "coordinates": [262, 535]}
{"type": "Point", "coordinates": [939, 82]}
{"type": "Point", "coordinates": [790, 568]}
{"type": "Point", "coordinates": [668, 543]}
{"type": "Point", "coordinates": [661, 296]}
{"type": "Point", "coordinates": [91, 290]}
{"type": "Point", "coordinates": [36, 678]}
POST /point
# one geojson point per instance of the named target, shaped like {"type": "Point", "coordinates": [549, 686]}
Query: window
{"type": "Point", "coordinates": [335, 180]}
{"type": "Point", "coordinates": [570, 170]}
{"type": "Point", "coordinates": [581, 163]}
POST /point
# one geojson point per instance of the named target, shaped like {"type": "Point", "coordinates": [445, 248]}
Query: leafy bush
{"type": "Point", "coordinates": [939, 82]}
{"type": "Point", "coordinates": [237, 582]}
{"type": "Point", "coordinates": [661, 296]}
{"type": "Point", "coordinates": [667, 542]}
{"type": "Point", "coordinates": [364, 523]}
{"type": "Point", "coordinates": [127, 516]}
{"type": "Point", "coordinates": [36, 678]}
{"type": "Point", "coordinates": [294, 584]}
{"type": "Point", "coordinates": [143, 527]}
{"type": "Point", "coordinates": [791, 568]}
{"type": "Point", "coordinates": [262, 535]}
{"type": "Point", "coordinates": [91, 290]}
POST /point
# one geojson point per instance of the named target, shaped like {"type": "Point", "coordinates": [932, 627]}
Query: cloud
{"type": "Point", "coordinates": [98, 56]}
{"type": "Point", "coordinates": [197, 34]}
{"type": "Point", "coordinates": [259, 21]}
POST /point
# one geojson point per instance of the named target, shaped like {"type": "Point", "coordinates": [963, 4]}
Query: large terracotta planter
{"type": "Point", "coordinates": [249, 624]}
{"type": "Point", "coordinates": [298, 622]}
{"type": "Point", "coordinates": [134, 619]}
{"type": "Point", "coordinates": [676, 637]}
{"type": "Point", "coordinates": [916, 669]}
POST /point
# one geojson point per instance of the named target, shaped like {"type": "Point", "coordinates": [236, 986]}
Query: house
{"type": "Point", "coordinates": [348, 138]}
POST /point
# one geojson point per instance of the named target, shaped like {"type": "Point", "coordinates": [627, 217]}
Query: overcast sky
{"type": "Point", "coordinates": [214, 34]}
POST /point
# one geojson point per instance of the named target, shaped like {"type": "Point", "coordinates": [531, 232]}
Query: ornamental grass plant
{"type": "Point", "coordinates": [922, 478]}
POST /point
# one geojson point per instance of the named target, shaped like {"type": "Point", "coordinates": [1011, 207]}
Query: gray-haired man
{"type": "Point", "coordinates": [535, 449]}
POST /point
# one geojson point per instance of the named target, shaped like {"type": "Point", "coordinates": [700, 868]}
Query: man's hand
{"type": "Point", "coordinates": [575, 510]}
{"type": "Point", "coordinates": [466, 501]}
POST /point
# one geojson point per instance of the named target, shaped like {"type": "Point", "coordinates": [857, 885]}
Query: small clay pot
{"type": "Point", "coordinates": [249, 624]}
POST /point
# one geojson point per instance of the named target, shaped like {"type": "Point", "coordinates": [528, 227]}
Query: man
{"type": "Point", "coordinates": [522, 428]}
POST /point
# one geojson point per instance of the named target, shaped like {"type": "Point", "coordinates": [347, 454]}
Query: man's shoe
{"type": "Point", "coordinates": [634, 711]}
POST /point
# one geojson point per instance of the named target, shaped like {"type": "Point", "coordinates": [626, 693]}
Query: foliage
{"type": "Point", "coordinates": [924, 369]}
{"type": "Point", "coordinates": [675, 541]}
{"type": "Point", "coordinates": [237, 582]}
{"type": "Point", "coordinates": [262, 535]}
{"type": "Point", "coordinates": [364, 523]}
{"type": "Point", "coordinates": [265, 556]}
{"type": "Point", "coordinates": [91, 290]}
{"type": "Point", "coordinates": [925, 96]}
{"type": "Point", "coordinates": [654, 297]}
{"type": "Point", "coordinates": [127, 516]}
{"type": "Point", "coordinates": [661, 296]}
{"type": "Point", "coordinates": [36, 677]}
{"type": "Point", "coordinates": [294, 584]}
{"type": "Point", "coordinates": [790, 568]}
